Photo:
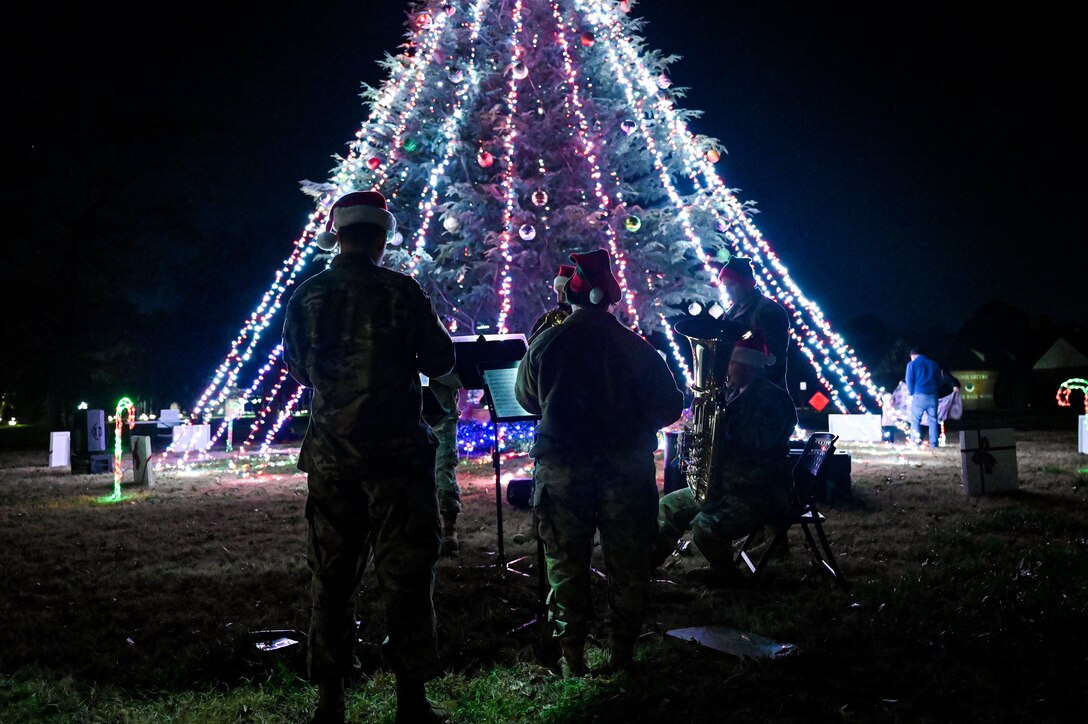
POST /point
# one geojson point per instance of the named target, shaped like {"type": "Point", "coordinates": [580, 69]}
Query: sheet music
{"type": "Point", "coordinates": [478, 351]}
{"type": "Point", "coordinates": [488, 337]}
{"type": "Point", "coordinates": [500, 382]}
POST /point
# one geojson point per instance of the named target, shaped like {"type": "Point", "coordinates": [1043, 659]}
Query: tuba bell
{"type": "Point", "coordinates": [712, 343]}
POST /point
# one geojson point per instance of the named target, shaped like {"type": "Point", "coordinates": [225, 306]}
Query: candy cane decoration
{"type": "Point", "coordinates": [123, 405]}
{"type": "Point", "coordinates": [1066, 388]}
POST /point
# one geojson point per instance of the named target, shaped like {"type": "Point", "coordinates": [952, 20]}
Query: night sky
{"type": "Point", "coordinates": [910, 161]}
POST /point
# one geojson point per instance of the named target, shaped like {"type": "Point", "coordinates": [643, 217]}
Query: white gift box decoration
{"type": "Point", "coordinates": [60, 449]}
{"type": "Point", "coordinates": [192, 437]}
{"type": "Point", "coordinates": [988, 461]}
{"type": "Point", "coordinates": [861, 428]}
{"type": "Point", "coordinates": [141, 460]}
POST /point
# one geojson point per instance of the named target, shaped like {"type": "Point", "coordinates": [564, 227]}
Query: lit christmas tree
{"type": "Point", "coordinates": [508, 135]}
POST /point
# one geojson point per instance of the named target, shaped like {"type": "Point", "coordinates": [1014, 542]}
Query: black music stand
{"type": "Point", "coordinates": [484, 348]}
{"type": "Point", "coordinates": [498, 379]}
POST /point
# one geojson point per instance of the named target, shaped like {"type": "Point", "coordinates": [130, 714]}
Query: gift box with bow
{"type": "Point", "coordinates": [988, 461]}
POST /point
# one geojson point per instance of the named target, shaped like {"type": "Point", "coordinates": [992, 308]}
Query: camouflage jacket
{"type": "Point", "coordinates": [771, 319]}
{"type": "Point", "coordinates": [359, 335]}
{"type": "Point", "coordinates": [447, 391]}
{"type": "Point", "coordinates": [598, 387]}
{"type": "Point", "coordinates": [754, 436]}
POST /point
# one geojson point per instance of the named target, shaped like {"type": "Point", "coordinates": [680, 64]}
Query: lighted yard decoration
{"type": "Point", "coordinates": [506, 136]}
{"type": "Point", "coordinates": [231, 412]}
{"type": "Point", "coordinates": [124, 406]}
{"type": "Point", "coordinates": [1066, 388]}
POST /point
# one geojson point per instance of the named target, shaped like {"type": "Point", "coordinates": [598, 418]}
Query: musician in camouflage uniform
{"type": "Point", "coordinates": [602, 392]}
{"type": "Point", "coordinates": [754, 483]}
{"type": "Point", "coordinates": [757, 313]}
{"type": "Point", "coordinates": [562, 307]}
{"type": "Point", "coordinates": [359, 335]}
{"type": "Point", "coordinates": [446, 390]}
{"type": "Point", "coordinates": [546, 321]}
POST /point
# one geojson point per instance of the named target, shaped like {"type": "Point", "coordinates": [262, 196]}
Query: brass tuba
{"type": "Point", "coordinates": [712, 343]}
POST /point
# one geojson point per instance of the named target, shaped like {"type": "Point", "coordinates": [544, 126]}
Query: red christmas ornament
{"type": "Point", "coordinates": [485, 159]}
{"type": "Point", "coordinates": [373, 162]}
{"type": "Point", "coordinates": [588, 39]}
{"type": "Point", "coordinates": [713, 156]}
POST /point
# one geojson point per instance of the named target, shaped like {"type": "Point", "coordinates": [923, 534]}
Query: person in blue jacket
{"type": "Point", "coordinates": [924, 385]}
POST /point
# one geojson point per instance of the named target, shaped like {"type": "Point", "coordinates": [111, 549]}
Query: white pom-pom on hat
{"type": "Point", "coordinates": [326, 241]}
{"type": "Point", "coordinates": [593, 278]}
{"type": "Point", "coordinates": [357, 207]}
{"type": "Point", "coordinates": [752, 350]}
{"type": "Point", "coordinates": [563, 277]}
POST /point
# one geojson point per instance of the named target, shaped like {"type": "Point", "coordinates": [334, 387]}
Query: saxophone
{"type": "Point", "coordinates": [711, 344]}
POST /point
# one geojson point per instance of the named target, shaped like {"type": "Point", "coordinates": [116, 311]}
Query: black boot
{"type": "Point", "coordinates": [715, 577]}
{"type": "Point", "coordinates": [573, 661]}
{"type": "Point", "coordinates": [667, 538]}
{"type": "Point", "coordinates": [764, 536]}
{"type": "Point", "coordinates": [412, 704]}
{"type": "Point", "coordinates": [622, 656]}
{"type": "Point", "coordinates": [330, 703]}
{"type": "Point", "coordinates": [450, 544]}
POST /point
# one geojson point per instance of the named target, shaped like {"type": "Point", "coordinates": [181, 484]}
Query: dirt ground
{"type": "Point", "coordinates": [959, 609]}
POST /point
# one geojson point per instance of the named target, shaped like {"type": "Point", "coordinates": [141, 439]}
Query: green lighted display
{"type": "Point", "coordinates": [124, 405]}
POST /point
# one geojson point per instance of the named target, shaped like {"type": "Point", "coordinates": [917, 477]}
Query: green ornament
{"type": "Point", "coordinates": [411, 145]}
{"type": "Point", "coordinates": [632, 223]}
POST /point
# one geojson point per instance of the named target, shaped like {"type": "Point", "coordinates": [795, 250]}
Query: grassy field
{"type": "Point", "coordinates": [961, 609]}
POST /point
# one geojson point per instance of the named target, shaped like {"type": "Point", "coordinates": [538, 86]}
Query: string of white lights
{"type": "Point", "coordinates": [515, 70]}
{"type": "Point", "coordinates": [684, 147]}
{"type": "Point", "coordinates": [574, 104]}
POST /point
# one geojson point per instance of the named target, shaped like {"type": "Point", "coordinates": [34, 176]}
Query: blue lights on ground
{"type": "Point", "coordinates": [476, 438]}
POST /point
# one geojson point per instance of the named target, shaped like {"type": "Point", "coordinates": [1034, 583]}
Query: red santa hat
{"type": "Point", "coordinates": [593, 280]}
{"type": "Point", "coordinates": [751, 349]}
{"type": "Point", "coordinates": [566, 271]}
{"type": "Point", "coordinates": [358, 207]}
{"type": "Point", "coordinates": [738, 269]}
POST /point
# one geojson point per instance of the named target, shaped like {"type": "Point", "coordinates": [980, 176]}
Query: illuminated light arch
{"type": "Point", "coordinates": [1067, 388]}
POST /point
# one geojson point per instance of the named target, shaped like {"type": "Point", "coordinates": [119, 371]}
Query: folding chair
{"type": "Point", "coordinates": [807, 475]}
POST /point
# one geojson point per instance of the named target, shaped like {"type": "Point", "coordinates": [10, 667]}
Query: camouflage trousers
{"type": "Point", "coordinates": [616, 494]}
{"type": "Point", "coordinates": [445, 466]}
{"type": "Point", "coordinates": [395, 516]}
{"type": "Point", "coordinates": [718, 522]}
